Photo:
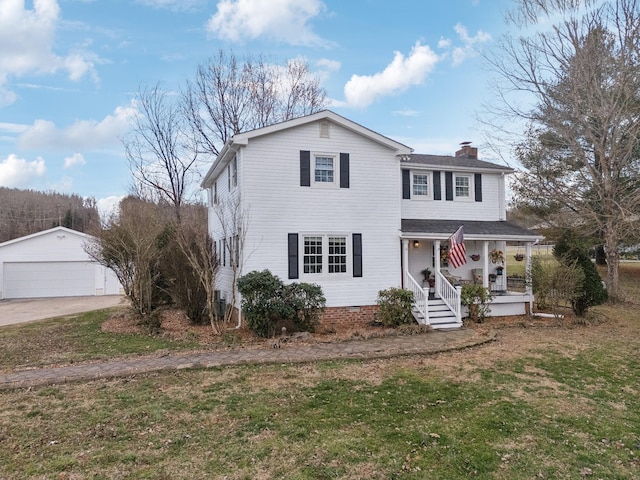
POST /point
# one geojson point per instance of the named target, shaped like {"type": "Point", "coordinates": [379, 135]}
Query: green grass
{"type": "Point", "coordinates": [72, 339]}
{"type": "Point", "coordinates": [564, 404]}
{"type": "Point", "coordinates": [545, 413]}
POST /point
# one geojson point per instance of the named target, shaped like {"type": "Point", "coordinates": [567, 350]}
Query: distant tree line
{"type": "Point", "coordinates": [23, 212]}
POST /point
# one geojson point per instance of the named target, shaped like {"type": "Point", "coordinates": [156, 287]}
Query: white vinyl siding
{"type": "Point", "coordinates": [491, 208]}
{"type": "Point", "coordinates": [374, 172]}
{"type": "Point", "coordinates": [52, 263]}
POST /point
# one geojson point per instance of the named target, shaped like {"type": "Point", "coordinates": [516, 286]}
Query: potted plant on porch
{"type": "Point", "coordinates": [428, 279]}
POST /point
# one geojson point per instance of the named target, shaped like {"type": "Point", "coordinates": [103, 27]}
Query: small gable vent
{"type": "Point", "coordinates": [324, 129]}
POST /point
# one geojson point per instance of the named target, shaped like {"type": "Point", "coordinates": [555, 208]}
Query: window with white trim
{"type": "Point", "coordinates": [421, 184]}
{"type": "Point", "coordinates": [324, 254]}
{"type": "Point", "coordinates": [463, 187]}
{"type": "Point", "coordinates": [337, 255]}
{"type": "Point", "coordinates": [312, 256]}
{"type": "Point", "coordinates": [324, 169]}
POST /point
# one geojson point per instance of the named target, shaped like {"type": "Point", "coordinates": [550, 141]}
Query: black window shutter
{"type": "Point", "coordinates": [477, 180]}
{"type": "Point", "coordinates": [406, 184]}
{"type": "Point", "coordinates": [437, 187]}
{"type": "Point", "coordinates": [293, 255]}
{"type": "Point", "coordinates": [448, 181]}
{"type": "Point", "coordinates": [305, 168]}
{"type": "Point", "coordinates": [344, 170]}
{"type": "Point", "coordinates": [357, 254]}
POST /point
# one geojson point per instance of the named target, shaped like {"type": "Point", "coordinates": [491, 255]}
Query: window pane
{"type": "Point", "coordinates": [421, 184]}
{"type": "Point", "coordinates": [324, 169]}
{"type": "Point", "coordinates": [337, 255]}
{"type": "Point", "coordinates": [462, 186]}
{"type": "Point", "coordinates": [312, 257]}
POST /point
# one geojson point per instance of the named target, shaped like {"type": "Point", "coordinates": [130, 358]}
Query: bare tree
{"type": "Point", "coordinates": [228, 96]}
{"type": "Point", "coordinates": [160, 156]}
{"type": "Point", "coordinates": [231, 226]}
{"type": "Point", "coordinates": [128, 245]}
{"type": "Point", "coordinates": [196, 245]}
{"type": "Point", "coordinates": [578, 62]}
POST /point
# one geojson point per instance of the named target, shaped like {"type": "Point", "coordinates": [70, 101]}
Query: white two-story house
{"type": "Point", "coordinates": [324, 200]}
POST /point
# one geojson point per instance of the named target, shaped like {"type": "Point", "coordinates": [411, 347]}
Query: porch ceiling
{"type": "Point", "coordinates": [473, 230]}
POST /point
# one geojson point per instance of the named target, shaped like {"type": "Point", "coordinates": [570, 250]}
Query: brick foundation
{"type": "Point", "coordinates": [351, 316]}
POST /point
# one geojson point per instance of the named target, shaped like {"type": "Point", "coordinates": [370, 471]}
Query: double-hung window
{"type": "Point", "coordinates": [324, 170]}
{"type": "Point", "coordinates": [463, 187]}
{"type": "Point", "coordinates": [337, 255]}
{"type": "Point", "coordinates": [420, 184]}
{"type": "Point", "coordinates": [324, 254]}
{"type": "Point", "coordinates": [312, 257]}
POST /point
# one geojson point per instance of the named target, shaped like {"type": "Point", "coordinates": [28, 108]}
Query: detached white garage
{"type": "Point", "coordinates": [52, 263]}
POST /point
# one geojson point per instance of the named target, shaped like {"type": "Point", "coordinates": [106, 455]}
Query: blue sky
{"type": "Point", "coordinates": [69, 70]}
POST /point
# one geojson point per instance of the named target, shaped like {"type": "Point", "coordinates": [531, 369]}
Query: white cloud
{"type": "Point", "coordinates": [469, 44]}
{"type": "Point", "coordinates": [75, 159]}
{"type": "Point", "coordinates": [444, 43]}
{"type": "Point", "coordinates": [328, 64]}
{"type": "Point", "coordinates": [64, 185]}
{"type": "Point", "coordinates": [108, 206]}
{"type": "Point", "coordinates": [17, 172]}
{"type": "Point", "coordinates": [13, 127]}
{"type": "Point", "coordinates": [82, 135]}
{"type": "Point", "coordinates": [26, 41]}
{"type": "Point", "coordinates": [406, 113]}
{"type": "Point", "coordinates": [400, 74]}
{"type": "Point", "coordinates": [282, 20]}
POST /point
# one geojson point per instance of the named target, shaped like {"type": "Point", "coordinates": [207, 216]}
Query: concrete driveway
{"type": "Point", "coordinates": [31, 309]}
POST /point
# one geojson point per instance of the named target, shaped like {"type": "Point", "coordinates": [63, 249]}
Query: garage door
{"type": "Point", "coordinates": [48, 279]}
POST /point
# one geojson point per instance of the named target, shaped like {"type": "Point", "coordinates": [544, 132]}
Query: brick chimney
{"type": "Point", "coordinates": [467, 151]}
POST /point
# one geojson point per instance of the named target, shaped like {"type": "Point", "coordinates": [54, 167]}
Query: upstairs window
{"type": "Point", "coordinates": [324, 170]}
{"type": "Point", "coordinates": [234, 172]}
{"type": "Point", "coordinates": [463, 186]}
{"type": "Point", "coordinates": [420, 184]}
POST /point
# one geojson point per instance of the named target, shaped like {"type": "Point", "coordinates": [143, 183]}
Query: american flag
{"type": "Point", "coordinates": [457, 252]}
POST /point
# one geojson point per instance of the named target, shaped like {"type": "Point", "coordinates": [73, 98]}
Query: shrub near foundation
{"type": "Point", "coordinates": [395, 306]}
{"type": "Point", "coordinates": [267, 302]}
{"type": "Point", "coordinates": [477, 299]}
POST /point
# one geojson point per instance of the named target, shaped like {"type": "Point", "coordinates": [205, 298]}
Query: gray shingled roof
{"type": "Point", "coordinates": [449, 161]}
{"type": "Point", "coordinates": [471, 228]}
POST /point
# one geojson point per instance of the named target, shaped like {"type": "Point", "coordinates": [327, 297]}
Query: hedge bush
{"type": "Point", "coordinates": [395, 306]}
{"type": "Point", "coordinates": [570, 250]}
{"type": "Point", "coordinates": [267, 301]}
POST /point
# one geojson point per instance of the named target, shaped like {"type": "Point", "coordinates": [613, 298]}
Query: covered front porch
{"type": "Point", "coordinates": [436, 284]}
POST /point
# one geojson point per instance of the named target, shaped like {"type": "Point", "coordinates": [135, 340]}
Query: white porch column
{"type": "Point", "coordinates": [436, 261]}
{"type": "Point", "coordinates": [485, 262]}
{"type": "Point", "coordinates": [405, 260]}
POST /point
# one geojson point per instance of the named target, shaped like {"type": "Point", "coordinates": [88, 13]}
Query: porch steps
{"type": "Point", "coordinates": [440, 316]}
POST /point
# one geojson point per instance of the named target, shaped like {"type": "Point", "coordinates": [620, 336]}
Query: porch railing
{"type": "Point", "coordinates": [449, 295]}
{"type": "Point", "coordinates": [420, 297]}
